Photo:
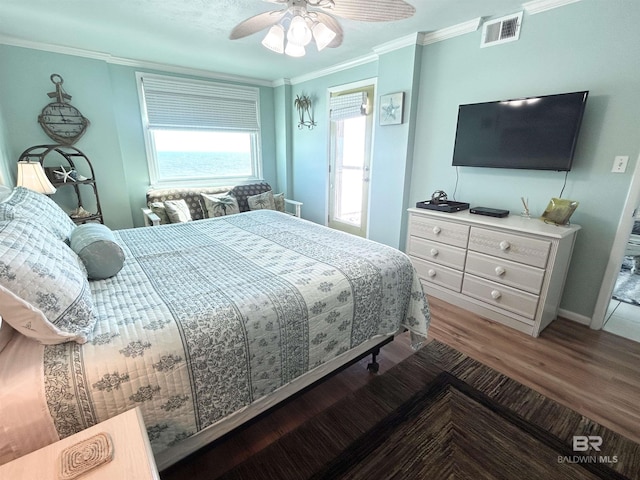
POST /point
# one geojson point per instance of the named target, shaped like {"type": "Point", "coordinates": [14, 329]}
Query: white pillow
{"type": "Point", "coordinates": [177, 211]}
{"type": "Point", "coordinates": [39, 209]}
{"type": "Point", "coordinates": [220, 205]}
{"type": "Point", "coordinates": [45, 293]}
{"type": "Point", "coordinates": [6, 333]}
{"type": "Point", "coordinates": [262, 201]}
{"type": "Point", "coordinates": [278, 199]}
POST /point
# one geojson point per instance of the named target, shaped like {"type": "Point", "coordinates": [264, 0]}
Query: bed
{"type": "Point", "coordinates": [206, 324]}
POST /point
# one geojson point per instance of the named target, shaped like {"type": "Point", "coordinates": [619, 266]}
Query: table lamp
{"type": "Point", "coordinates": [31, 175]}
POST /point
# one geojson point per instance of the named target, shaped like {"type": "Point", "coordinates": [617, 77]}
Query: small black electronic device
{"type": "Point", "coordinates": [490, 212]}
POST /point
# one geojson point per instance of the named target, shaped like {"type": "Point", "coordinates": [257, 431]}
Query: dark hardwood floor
{"type": "Point", "coordinates": [593, 372]}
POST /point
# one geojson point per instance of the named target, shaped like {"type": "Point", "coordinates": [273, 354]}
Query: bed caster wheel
{"type": "Point", "coordinates": [373, 367]}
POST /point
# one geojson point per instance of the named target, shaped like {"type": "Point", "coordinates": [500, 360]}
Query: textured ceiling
{"type": "Point", "coordinates": [194, 33]}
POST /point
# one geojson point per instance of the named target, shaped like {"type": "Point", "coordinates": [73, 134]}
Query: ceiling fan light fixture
{"type": "Point", "coordinates": [274, 40]}
{"type": "Point", "coordinates": [294, 50]}
{"type": "Point", "coordinates": [323, 35]}
{"type": "Point", "coordinates": [299, 32]}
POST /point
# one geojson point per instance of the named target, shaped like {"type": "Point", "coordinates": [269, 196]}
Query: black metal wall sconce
{"type": "Point", "coordinates": [303, 105]}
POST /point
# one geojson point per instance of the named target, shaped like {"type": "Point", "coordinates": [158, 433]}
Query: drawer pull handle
{"type": "Point", "coordinates": [500, 271]}
{"type": "Point", "coordinates": [431, 272]}
{"type": "Point", "coordinates": [436, 230]}
{"type": "Point", "coordinates": [495, 294]}
{"type": "Point", "coordinates": [434, 252]}
{"type": "Point", "coordinates": [504, 245]}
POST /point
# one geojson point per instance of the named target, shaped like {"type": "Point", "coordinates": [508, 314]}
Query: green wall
{"type": "Point", "coordinates": [590, 45]}
{"type": "Point", "coordinates": [107, 95]}
{"type": "Point", "coordinates": [310, 147]}
{"type": "Point", "coordinates": [6, 177]}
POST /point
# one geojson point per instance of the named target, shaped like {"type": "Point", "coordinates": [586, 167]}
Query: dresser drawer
{"type": "Point", "coordinates": [437, 274]}
{"type": "Point", "coordinates": [440, 231]}
{"type": "Point", "coordinates": [529, 251]}
{"type": "Point", "coordinates": [507, 298]}
{"type": "Point", "coordinates": [437, 252]}
{"type": "Point", "coordinates": [505, 272]}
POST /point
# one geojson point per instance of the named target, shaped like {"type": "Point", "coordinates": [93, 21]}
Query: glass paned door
{"type": "Point", "coordinates": [349, 172]}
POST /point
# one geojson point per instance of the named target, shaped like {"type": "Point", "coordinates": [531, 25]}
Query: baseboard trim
{"type": "Point", "coordinates": [574, 317]}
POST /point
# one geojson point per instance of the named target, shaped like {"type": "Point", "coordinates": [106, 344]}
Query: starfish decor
{"type": "Point", "coordinates": [390, 110]}
{"type": "Point", "coordinates": [64, 175]}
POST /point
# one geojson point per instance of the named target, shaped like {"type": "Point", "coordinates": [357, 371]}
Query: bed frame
{"type": "Point", "coordinates": [213, 435]}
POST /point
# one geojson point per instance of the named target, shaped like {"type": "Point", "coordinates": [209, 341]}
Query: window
{"type": "Point", "coordinates": [199, 131]}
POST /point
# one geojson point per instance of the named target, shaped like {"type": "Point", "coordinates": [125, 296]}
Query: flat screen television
{"type": "Point", "coordinates": [535, 133]}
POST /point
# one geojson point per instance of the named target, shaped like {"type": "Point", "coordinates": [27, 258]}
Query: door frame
{"type": "Point", "coordinates": [339, 88]}
{"type": "Point", "coordinates": [617, 251]}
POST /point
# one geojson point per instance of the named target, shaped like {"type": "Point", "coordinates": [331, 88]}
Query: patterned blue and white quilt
{"type": "Point", "coordinates": [208, 316]}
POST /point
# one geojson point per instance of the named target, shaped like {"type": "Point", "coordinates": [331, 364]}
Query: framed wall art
{"type": "Point", "coordinates": [391, 108]}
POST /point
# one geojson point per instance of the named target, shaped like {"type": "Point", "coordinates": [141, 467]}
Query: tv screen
{"type": "Point", "coordinates": [536, 133]}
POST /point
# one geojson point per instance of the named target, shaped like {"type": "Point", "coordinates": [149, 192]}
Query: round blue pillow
{"type": "Point", "coordinates": [96, 246]}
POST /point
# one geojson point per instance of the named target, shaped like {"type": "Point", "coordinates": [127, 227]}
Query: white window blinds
{"type": "Point", "coordinates": [348, 106]}
{"type": "Point", "coordinates": [183, 103]}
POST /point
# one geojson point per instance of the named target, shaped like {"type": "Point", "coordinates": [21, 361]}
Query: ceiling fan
{"type": "Point", "coordinates": [293, 27]}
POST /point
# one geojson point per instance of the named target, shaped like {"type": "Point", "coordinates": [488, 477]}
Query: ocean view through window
{"type": "Point", "coordinates": [195, 154]}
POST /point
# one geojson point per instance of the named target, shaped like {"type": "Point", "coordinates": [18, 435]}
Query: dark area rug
{"type": "Point", "coordinates": [627, 287]}
{"type": "Point", "coordinates": [440, 414]}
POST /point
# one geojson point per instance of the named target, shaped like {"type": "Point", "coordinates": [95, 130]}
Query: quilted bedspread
{"type": "Point", "coordinates": [208, 316]}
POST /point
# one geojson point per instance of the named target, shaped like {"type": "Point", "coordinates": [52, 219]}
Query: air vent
{"type": "Point", "coordinates": [501, 30]}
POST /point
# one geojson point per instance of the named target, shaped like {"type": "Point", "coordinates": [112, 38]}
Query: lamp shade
{"type": "Point", "coordinates": [299, 33]}
{"type": "Point", "coordinates": [275, 39]}
{"type": "Point", "coordinates": [31, 175]}
{"type": "Point", "coordinates": [294, 50]}
{"type": "Point", "coordinates": [323, 35]}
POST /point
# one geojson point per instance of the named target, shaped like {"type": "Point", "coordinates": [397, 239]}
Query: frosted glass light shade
{"type": "Point", "coordinates": [323, 35]}
{"type": "Point", "coordinates": [294, 50]}
{"type": "Point", "coordinates": [299, 32]}
{"type": "Point", "coordinates": [31, 175]}
{"type": "Point", "coordinates": [275, 39]}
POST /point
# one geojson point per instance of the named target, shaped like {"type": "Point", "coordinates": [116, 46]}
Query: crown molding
{"type": "Point", "coordinates": [451, 32]}
{"type": "Point", "coordinates": [406, 41]}
{"type": "Point", "coordinates": [281, 82]}
{"type": "Point", "coordinates": [335, 68]}
{"type": "Point", "coordinates": [129, 62]}
{"type": "Point", "coordinates": [539, 6]}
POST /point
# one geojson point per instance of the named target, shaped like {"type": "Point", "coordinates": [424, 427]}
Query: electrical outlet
{"type": "Point", "coordinates": [620, 164]}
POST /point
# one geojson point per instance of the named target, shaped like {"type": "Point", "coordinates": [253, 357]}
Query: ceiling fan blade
{"type": "Point", "coordinates": [334, 25]}
{"type": "Point", "coordinates": [373, 10]}
{"type": "Point", "coordinates": [255, 24]}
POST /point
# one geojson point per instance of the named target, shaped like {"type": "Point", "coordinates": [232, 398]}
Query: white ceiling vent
{"type": "Point", "coordinates": [501, 30]}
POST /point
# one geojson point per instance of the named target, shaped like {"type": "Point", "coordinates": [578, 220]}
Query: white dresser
{"type": "Point", "coordinates": [511, 270]}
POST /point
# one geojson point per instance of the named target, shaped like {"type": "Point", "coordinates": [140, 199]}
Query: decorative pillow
{"type": "Point", "coordinates": [39, 209]}
{"type": "Point", "coordinates": [96, 246]}
{"type": "Point", "coordinates": [44, 290]}
{"type": "Point", "coordinates": [6, 333]}
{"type": "Point", "coordinates": [262, 201]}
{"type": "Point", "coordinates": [160, 211]}
{"type": "Point", "coordinates": [177, 211]}
{"type": "Point", "coordinates": [278, 199]}
{"type": "Point", "coordinates": [220, 205]}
